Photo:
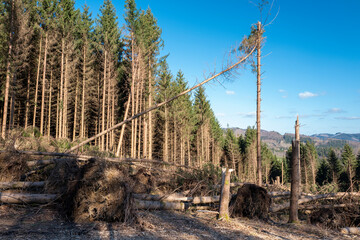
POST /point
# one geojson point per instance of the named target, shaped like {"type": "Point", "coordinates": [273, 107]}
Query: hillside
{"type": "Point", "coordinates": [280, 143]}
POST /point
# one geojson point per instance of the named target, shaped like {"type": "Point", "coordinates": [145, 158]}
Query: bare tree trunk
{"type": "Point", "coordinates": [82, 124]}
{"type": "Point", "coordinates": [102, 145]}
{"type": "Point", "coordinates": [75, 108]}
{"type": "Point", "coordinates": [108, 113]}
{"type": "Point", "coordinates": [150, 113]}
{"type": "Point", "coordinates": [57, 115]}
{"type": "Point", "coordinates": [140, 121]}
{"type": "Point", "coordinates": [50, 99]}
{"type": "Point", "coordinates": [295, 176]}
{"type": "Point", "coordinates": [225, 195]}
{"type": "Point", "coordinates": [166, 137]}
{"type": "Point", "coordinates": [27, 107]}
{"type": "Point", "coordinates": [112, 138]}
{"type": "Point", "coordinates": [8, 72]}
{"type": "Point", "coordinates": [65, 108]}
{"type": "Point", "coordinates": [136, 120]}
{"type": "Point", "coordinates": [132, 93]}
{"type": "Point", "coordinates": [43, 87]}
{"type": "Point", "coordinates": [123, 126]}
{"type": "Point", "coordinates": [258, 103]}
{"type": "Point", "coordinates": [37, 83]}
{"type": "Point", "coordinates": [61, 90]}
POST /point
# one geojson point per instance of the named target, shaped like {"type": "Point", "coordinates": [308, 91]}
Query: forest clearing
{"type": "Point", "coordinates": [99, 140]}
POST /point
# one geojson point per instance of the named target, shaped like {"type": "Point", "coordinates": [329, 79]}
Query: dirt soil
{"type": "Point", "coordinates": [31, 222]}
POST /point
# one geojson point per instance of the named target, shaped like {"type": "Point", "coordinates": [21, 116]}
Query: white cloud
{"type": "Point", "coordinates": [248, 115]}
{"type": "Point", "coordinates": [348, 118]}
{"type": "Point", "coordinates": [228, 92]}
{"type": "Point", "coordinates": [307, 95]}
{"type": "Point", "coordinates": [282, 90]}
{"type": "Point", "coordinates": [335, 110]}
{"type": "Point", "coordinates": [220, 114]}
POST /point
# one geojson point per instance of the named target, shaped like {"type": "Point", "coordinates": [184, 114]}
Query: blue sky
{"type": "Point", "coordinates": [311, 59]}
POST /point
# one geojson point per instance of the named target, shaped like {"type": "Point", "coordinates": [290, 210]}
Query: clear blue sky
{"type": "Point", "coordinates": [311, 59]}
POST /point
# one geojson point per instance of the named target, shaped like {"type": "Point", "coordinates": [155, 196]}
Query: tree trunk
{"type": "Point", "coordinates": [123, 126]}
{"type": "Point", "coordinates": [65, 108]}
{"type": "Point", "coordinates": [37, 83]}
{"type": "Point", "coordinates": [75, 108]}
{"type": "Point", "coordinates": [166, 137]}
{"type": "Point", "coordinates": [102, 145]}
{"type": "Point", "coordinates": [43, 87]}
{"type": "Point", "coordinates": [50, 100]}
{"type": "Point", "coordinates": [82, 124]}
{"type": "Point", "coordinates": [8, 72]}
{"type": "Point", "coordinates": [27, 106]}
{"type": "Point", "coordinates": [225, 195]}
{"type": "Point", "coordinates": [258, 104]}
{"type": "Point", "coordinates": [150, 113]}
{"type": "Point", "coordinates": [21, 198]}
{"type": "Point", "coordinates": [61, 102]}
{"type": "Point", "coordinates": [295, 176]}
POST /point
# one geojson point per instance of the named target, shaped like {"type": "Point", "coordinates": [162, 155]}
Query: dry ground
{"type": "Point", "coordinates": [28, 222]}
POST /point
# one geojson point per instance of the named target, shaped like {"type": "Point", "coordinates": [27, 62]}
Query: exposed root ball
{"type": "Point", "coordinates": [250, 201]}
{"type": "Point", "coordinates": [102, 193]}
{"type": "Point", "coordinates": [12, 166]}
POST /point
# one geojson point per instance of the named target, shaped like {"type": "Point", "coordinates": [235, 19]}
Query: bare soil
{"type": "Point", "coordinates": [33, 222]}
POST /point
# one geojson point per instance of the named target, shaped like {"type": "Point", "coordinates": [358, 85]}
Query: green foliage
{"type": "Point", "coordinates": [323, 175]}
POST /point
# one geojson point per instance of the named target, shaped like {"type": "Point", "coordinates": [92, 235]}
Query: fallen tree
{"type": "Point", "coordinates": [9, 185]}
{"type": "Point", "coordinates": [310, 198]}
{"type": "Point", "coordinates": [18, 198]}
{"type": "Point", "coordinates": [177, 198]}
{"type": "Point", "coordinates": [156, 106]}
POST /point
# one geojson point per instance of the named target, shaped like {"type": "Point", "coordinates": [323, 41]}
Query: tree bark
{"type": "Point", "coordinates": [19, 198]}
{"type": "Point", "coordinates": [8, 72]}
{"type": "Point", "coordinates": [225, 194]}
{"type": "Point", "coordinates": [43, 87]}
{"type": "Point", "coordinates": [258, 103]}
{"type": "Point", "coordinates": [50, 100]}
{"type": "Point", "coordinates": [102, 145]}
{"type": "Point", "coordinates": [37, 83]}
{"type": "Point", "coordinates": [295, 176]}
{"type": "Point", "coordinates": [27, 106]}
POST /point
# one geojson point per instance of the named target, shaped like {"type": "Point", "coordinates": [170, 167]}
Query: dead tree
{"type": "Point", "coordinates": [295, 175]}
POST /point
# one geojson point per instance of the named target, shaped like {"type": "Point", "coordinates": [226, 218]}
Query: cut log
{"type": "Point", "coordinates": [9, 185]}
{"type": "Point", "coordinates": [16, 198]}
{"type": "Point", "coordinates": [177, 198]}
{"type": "Point", "coordinates": [350, 230]}
{"type": "Point", "coordinates": [157, 205]}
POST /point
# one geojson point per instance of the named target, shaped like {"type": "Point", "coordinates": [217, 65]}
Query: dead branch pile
{"type": "Point", "coordinates": [12, 166]}
{"type": "Point", "coordinates": [348, 215]}
{"type": "Point", "coordinates": [199, 182]}
{"type": "Point", "coordinates": [250, 201]}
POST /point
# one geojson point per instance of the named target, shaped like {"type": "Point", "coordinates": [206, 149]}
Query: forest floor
{"type": "Point", "coordinates": [31, 222]}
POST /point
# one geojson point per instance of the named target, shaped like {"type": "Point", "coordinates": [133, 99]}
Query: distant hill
{"type": "Point", "coordinates": [341, 136]}
{"type": "Point", "coordinates": [280, 143]}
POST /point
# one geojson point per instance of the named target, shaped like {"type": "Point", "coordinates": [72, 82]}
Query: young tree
{"type": "Point", "coordinates": [334, 164]}
{"type": "Point", "coordinates": [349, 161]}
